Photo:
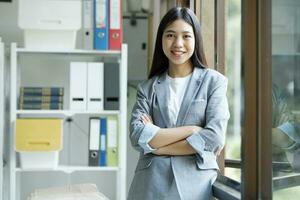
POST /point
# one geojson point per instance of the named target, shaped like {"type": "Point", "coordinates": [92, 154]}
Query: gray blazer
{"type": "Point", "coordinates": [204, 104]}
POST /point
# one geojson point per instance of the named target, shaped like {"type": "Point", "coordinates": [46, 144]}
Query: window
{"type": "Point", "coordinates": [286, 98]}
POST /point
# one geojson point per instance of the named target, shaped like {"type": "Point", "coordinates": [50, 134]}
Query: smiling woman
{"type": "Point", "coordinates": [179, 120]}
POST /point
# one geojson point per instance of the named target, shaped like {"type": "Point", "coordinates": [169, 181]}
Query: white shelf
{"type": "Point", "coordinates": [15, 113]}
{"type": "Point", "coordinates": [66, 112]}
{"type": "Point", "coordinates": [69, 169]}
{"type": "Point", "coordinates": [71, 51]}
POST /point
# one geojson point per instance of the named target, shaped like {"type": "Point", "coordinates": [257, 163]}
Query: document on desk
{"type": "Point", "coordinates": [86, 191]}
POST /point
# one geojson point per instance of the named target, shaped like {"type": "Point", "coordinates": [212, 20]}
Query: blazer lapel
{"type": "Point", "coordinates": [163, 94]}
{"type": "Point", "coordinates": [191, 91]}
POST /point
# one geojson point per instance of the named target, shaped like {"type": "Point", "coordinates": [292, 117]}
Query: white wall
{"type": "Point", "coordinates": [9, 30]}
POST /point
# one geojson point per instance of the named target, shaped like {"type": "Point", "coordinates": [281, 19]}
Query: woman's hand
{"type": "Point", "coordinates": [195, 129]}
{"type": "Point", "coordinates": [146, 119]}
{"type": "Point", "coordinates": [158, 151]}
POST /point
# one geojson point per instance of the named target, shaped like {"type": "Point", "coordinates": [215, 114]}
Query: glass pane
{"type": "Point", "coordinates": [233, 72]}
{"type": "Point", "coordinates": [286, 98]}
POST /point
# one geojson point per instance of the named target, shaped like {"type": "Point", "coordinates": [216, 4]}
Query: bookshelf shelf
{"type": "Point", "coordinates": [72, 51]}
{"type": "Point", "coordinates": [69, 169]}
{"type": "Point", "coordinates": [51, 68]}
{"type": "Point", "coordinates": [64, 113]}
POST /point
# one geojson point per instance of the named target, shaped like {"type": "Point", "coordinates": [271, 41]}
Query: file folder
{"type": "Point", "coordinates": [95, 86]}
{"type": "Point", "coordinates": [115, 24]}
{"type": "Point", "coordinates": [111, 86]}
{"type": "Point", "coordinates": [94, 137]}
{"type": "Point", "coordinates": [101, 24]}
{"type": "Point", "coordinates": [88, 21]}
{"type": "Point", "coordinates": [78, 85]}
{"type": "Point", "coordinates": [112, 141]}
{"type": "Point", "coordinates": [103, 134]}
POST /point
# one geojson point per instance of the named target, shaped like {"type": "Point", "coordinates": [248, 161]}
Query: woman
{"type": "Point", "coordinates": [179, 120]}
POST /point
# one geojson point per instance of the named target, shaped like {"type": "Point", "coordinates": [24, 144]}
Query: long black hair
{"type": "Point", "coordinates": [160, 62]}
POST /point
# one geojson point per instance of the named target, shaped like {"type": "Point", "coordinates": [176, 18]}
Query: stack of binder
{"type": "Point", "coordinates": [94, 86]}
{"type": "Point", "coordinates": [86, 86]}
{"type": "Point", "coordinates": [103, 141]}
{"type": "Point", "coordinates": [102, 24]}
{"type": "Point", "coordinates": [41, 98]}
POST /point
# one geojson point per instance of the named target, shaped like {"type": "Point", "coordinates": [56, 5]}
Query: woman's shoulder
{"type": "Point", "coordinates": [146, 86]}
{"type": "Point", "coordinates": [212, 75]}
{"type": "Point", "coordinates": [148, 83]}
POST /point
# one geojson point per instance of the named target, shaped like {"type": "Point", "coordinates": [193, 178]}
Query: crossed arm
{"type": "Point", "coordinates": [171, 141]}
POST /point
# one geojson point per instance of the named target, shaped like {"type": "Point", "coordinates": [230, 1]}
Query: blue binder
{"type": "Point", "coordinates": [101, 25]}
{"type": "Point", "coordinates": [103, 134]}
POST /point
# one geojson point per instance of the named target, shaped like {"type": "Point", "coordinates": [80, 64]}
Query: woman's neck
{"type": "Point", "coordinates": [179, 71]}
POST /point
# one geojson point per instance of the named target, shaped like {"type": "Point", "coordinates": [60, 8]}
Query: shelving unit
{"type": "Point", "coordinates": [63, 113]}
{"type": "Point", "coordinates": [1, 114]}
{"type": "Point", "coordinates": [68, 169]}
{"type": "Point", "coordinates": [69, 164]}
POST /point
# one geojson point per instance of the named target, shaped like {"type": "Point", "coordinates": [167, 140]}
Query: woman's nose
{"type": "Point", "coordinates": [178, 42]}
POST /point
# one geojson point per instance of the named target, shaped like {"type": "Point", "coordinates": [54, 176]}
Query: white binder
{"type": "Point", "coordinates": [78, 85]}
{"type": "Point", "coordinates": [95, 86]}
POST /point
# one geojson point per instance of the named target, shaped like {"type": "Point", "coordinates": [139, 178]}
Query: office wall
{"type": "Point", "coordinates": [9, 30]}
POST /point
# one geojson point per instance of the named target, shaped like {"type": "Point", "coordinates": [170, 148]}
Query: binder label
{"type": "Point", "coordinates": [87, 14]}
{"type": "Point", "coordinates": [102, 141]}
{"type": "Point", "coordinates": [115, 18]}
{"type": "Point", "coordinates": [100, 14]}
{"type": "Point", "coordinates": [112, 127]}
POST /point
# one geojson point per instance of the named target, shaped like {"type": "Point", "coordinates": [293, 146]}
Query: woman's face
{"type": "Point", "coordinates": [178, 43]}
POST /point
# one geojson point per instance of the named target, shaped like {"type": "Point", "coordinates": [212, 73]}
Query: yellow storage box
{"type": "Point", "coordinates": [38, 141]}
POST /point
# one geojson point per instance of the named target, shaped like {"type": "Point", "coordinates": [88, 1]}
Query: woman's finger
{"type": "Point", "coordinates": [148, 118]}
{"type": "Point", "coordinates": [145, 117]}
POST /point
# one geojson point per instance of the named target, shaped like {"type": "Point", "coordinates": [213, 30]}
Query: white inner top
{"type": "Point", "coordinates": [177, 87]}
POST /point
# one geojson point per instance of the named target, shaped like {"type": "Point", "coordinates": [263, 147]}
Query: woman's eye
{"type": "Point", "coordinates": [169, 35]}
{"type": "Point", "coordinates": [187, 36]}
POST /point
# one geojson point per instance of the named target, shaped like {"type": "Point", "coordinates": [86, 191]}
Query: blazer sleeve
{"type": "Point", "coordinates": [141, 134]}
{"type": "Point", "coordinates": [210, 140]}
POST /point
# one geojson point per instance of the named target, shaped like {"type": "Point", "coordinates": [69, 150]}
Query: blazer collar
{"type": "Point", "coordinates": [163, 94]}
{"type": "Point", "coordinates": [190, 92]}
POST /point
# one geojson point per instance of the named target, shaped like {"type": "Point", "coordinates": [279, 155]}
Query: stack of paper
{"type": "Point", "coordinates": [71, 192]}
